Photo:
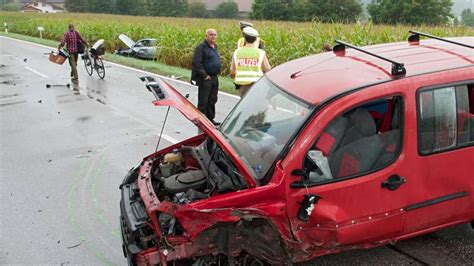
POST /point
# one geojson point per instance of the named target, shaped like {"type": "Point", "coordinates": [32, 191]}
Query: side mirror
{"type": "Point", "coordinates": [300, 172]}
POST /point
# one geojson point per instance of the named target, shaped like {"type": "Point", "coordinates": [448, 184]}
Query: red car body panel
{"type": "Point", "coordinates": [338, 74]}
{"type": "Point", "coordinates": [354, 213]}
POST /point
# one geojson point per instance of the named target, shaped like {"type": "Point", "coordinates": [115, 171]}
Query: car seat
{"type": "Point", "coordinates": [361, 125]}
{"type": "Point", "coordinates": [389, 147]}
{"type": "Point", "coordinates": [360, 147]}
{"type": "Point", "coordinates": [355, 157]}
{"type": "Point", "coordinates": [332, 136]}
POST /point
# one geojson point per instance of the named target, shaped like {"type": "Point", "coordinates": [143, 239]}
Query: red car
{"type": "Point", "coordinates": [355, 148]}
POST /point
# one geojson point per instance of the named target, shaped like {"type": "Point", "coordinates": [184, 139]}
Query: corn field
{"type": "Point", "coordinates": [177, 37]}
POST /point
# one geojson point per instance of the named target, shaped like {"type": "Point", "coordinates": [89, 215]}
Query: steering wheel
{"type": "Point", "coordinates": [252, 132]}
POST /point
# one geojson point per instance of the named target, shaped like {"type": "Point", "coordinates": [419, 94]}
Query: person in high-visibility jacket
{"type": "Point", "coordinates": [249, 63]}
{"type": "Point", "coordinates": [241, 42]}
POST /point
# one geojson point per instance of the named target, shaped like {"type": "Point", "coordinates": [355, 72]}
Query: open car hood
{"type": "Point", "coordinates": [166, 95]}
{"type": "Point", "coordinates": [126, 40]}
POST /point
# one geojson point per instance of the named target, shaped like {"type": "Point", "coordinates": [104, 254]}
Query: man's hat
{"type": "Point", "coordinates": [244, 24]}
{"type": "Point", "coordinates": [249, 31]}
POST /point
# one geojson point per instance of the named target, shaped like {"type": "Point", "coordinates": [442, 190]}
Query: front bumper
{"type": "Point", "coordinates": [133, 218]}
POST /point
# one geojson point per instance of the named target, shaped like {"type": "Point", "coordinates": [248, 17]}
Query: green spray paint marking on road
{"type": "Point", "coordinates": [98, 171]}
{"type": "Point", "coordinates": [71, 213]}
{"type": "Point", "coordinates": [97, 206]}
{"type": "Point", "coordinates": [116, 233]}
{"type": "Point", "coordinates": [73, 187]}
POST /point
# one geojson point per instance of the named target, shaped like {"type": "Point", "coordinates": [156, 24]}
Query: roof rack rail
{"type": "Point", "coordinates": [398, 69]}
{"type": "Point", "coordinates": [415, 37]}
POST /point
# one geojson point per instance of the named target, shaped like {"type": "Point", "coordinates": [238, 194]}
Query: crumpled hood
{"type": "Point", "coordinates": [167, 96]}
{"type": "Point", "coordinates": [126, 40]}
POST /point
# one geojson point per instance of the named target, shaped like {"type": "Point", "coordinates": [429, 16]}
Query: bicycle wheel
{"type": "Point", "coordinates": [99, 68]}
{"type": "Point", "coordinates": [88, 63]}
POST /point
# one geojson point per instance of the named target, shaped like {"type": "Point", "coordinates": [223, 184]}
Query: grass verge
{"type": "Point", "coordinates": [225, 84]}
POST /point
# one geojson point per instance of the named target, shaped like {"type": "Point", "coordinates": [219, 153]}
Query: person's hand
{"type": "Point", "coordinates": [207, 77]}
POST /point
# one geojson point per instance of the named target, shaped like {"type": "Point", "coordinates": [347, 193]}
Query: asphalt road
{"type": "Point", "coordinates": [64, 152]}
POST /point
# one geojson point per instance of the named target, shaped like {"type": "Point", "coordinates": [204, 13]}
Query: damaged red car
{"type": "Point", "coordinates": [355, 148]}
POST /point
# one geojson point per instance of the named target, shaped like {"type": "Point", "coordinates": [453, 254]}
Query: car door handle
{"type": "Point", "coordinates": [393, 182]}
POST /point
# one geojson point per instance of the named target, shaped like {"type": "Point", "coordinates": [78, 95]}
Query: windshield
{"type": "Point", "coordinates": [262, 123]}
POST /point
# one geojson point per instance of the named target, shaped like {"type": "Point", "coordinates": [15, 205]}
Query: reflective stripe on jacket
{"type": "Point", "coordinates": [248, 65]}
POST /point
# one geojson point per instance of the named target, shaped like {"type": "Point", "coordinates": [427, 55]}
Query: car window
{"type": "Point", "coordinates": [445, 118]}
{"type": "Point", "coordinates": [151, 43]}
{"type": "Point", "coordinates": [262, 123]}
{"type": "Point", "coordinates": [363, 139]}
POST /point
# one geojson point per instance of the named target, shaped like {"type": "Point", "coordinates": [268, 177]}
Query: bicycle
{"type": "Point", "coordinates": [93, 59]}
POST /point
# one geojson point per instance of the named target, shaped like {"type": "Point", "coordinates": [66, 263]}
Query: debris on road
{"type": "Point", "coordinates": [75, 246]}
{"type": "Point", "coordinates": [58, 85]}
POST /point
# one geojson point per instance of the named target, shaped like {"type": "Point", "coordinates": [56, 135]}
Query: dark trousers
{"type": "Point", "coordinates": [207, 97]}
{"type": "Point", "coordinates": [73, 63]}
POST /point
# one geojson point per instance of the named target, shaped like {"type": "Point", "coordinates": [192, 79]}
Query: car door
{"type": "Point", "coordinates": [445, 152]}
{"type": "Point", "coordinates": [362, 204]}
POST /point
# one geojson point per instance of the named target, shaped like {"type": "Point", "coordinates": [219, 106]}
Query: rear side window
{"type": "Point", "coordinates": [446, 119]}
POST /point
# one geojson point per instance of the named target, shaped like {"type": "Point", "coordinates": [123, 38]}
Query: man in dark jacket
{"type": "Point", "coordinates": [206, 67]}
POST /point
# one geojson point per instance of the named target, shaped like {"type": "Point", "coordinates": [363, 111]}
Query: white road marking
{"type": "Point", "coordinates": [36, 72]}
{"type": "Point", "coordinates": [170, 139]}
{"type": "Point", "coordinates": [126, 67]}
{"type": "Point", "coordinates": [32, 43]}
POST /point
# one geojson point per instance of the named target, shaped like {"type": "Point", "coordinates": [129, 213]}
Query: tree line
{"type": "Point", "coordinates": [431, 12]}
{"type": "Point", "coordinates": [169, 8]}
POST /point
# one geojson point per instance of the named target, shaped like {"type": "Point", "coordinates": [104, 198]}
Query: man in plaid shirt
{"type": "Point", "coordinates": [71, 39]}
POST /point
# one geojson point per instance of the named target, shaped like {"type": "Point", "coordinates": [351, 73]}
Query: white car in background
{"type": "Point", "coordinates": [143, 49]}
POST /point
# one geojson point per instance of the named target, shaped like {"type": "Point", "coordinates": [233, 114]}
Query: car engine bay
{"type": "Point", "coordinates": [193, 173]}
{"type": "Point", "coordinates": [182, 176]}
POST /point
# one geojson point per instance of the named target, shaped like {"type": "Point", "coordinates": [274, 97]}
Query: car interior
{"type": "Point", "coordinates": [364, 138]}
